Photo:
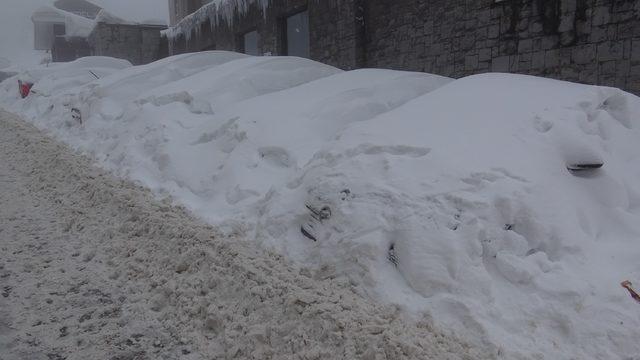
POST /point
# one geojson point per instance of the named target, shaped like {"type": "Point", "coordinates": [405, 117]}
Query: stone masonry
{"type": "Point", "coordinates": [140, 44]}
{"type": "Point", "coordinates": [588, 41]}
{"type": "Point", "coordinates": [334, 39]}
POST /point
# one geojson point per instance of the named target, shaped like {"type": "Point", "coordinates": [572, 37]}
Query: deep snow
{"type": "Point", "coordinates": [93, 267]}
{"type": "Point", "coordinates": [446, 197]}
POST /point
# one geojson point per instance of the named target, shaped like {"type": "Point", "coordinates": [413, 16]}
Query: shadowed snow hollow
{"type": "Point", "coordinates": [506, 206]}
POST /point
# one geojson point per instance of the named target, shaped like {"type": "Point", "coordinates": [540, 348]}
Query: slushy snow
{"type": "Point", "coordinates": [451, 198]}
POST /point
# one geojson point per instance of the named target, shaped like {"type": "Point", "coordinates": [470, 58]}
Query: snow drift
{"type": "Point", "coordinates": [447, 197]}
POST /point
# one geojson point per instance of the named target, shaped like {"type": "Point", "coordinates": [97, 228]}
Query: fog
{"type": "Point", "coordinates": [16, 28]}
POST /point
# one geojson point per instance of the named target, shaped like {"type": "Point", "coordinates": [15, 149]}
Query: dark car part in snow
{"type": "Point", "coordinates": [627, 285]}
{"type": "Point", "coordinates": [345, 194]}
{"type": "Point", "coordinates": [306, 232]}
{"type": "Point", "coordinates": [76, 115]}
{"type": "Point", "coordinates": [584, 167]}
{"type": "Point", "coordinates": [321, 214]}
{"type": "Point", "coordinates": [317, 216]}
{"type": "Point", "coordinates": [392, 256]}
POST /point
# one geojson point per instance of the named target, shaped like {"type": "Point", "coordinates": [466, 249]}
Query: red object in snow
{"type": "Point", "coordinates": [25, 88]}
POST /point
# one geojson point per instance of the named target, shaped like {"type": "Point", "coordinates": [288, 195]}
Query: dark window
{"type": "Point", "coordinates": [250, 43]}
{"type": "Point", "coordinates": [297, 35]}
{"type": "Point", "coordinates": [59, 30]}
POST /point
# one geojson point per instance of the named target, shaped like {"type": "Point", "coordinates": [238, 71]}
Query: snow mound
{"type": "Point", "coordinates": [238, 80]}
{"type": "Point", "coordinates": [505, 206]}
{"type": "Point", "coordinates": [56, 78]}
{"type": "Point", "coordinates": [460, 202]}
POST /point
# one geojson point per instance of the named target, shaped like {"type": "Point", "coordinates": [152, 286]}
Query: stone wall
{"type": "Point", "coordinates": [140, 44]}
{"type": "Point", "coordinates": [334, 39]}
{"type": "Point", "coordinates": [588, 41]}
{"type": "Point", "coordinates": [178, 9]}
{"type": "Point", "coordinates": [69, 49]}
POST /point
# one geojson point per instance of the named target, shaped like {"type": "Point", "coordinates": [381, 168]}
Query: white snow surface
{"type": "Point", "coordinates": [109, 18]}
{"type": "Point", "coordinates": [106, 17]}
{"type": "Point", "coordinates": [463, 184]}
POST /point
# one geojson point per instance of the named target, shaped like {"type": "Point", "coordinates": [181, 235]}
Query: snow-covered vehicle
{"type": "Point", "coordinates": [447, 197]}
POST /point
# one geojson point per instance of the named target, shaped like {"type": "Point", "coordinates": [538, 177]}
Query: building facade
{"type": "Point", "coordinates": [138, 43]}
{"type": "Point", "coordinates": [179, 9]}
{"type": "Point", "coordinates": [51, 24]}
{"type": "Point", "coordinates": [588, 41]}
{"type": "Point", "coordinates": [76, 28]}
{"type": "Point", "coordinates": [329, 31]}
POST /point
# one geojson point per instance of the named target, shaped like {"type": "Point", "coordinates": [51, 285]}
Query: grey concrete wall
{"type": "Point", "coordinates": [139, 44]}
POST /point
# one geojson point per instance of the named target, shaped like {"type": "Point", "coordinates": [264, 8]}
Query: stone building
{"type": "Point", "coordinates": [62, 28]}
{"type": "Point", "coordinates": [71, 29]}
{"type": "Point", "coordinates": [138, 43]}
{"type": "Point", "coordinates": [588, 41]}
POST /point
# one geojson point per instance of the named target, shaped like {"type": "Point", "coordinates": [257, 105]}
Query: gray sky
{"type": "Point", "coordinates": [16, 28]}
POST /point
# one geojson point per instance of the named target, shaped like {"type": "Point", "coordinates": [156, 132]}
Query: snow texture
{"type": "Point", "coordinates": [93, 267]}
{"type": "Point", "coordinates": [452, 198]}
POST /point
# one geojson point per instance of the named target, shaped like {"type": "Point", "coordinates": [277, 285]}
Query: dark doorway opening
{"type": "Point", "coordinates": [296, 35]}
{"type": "Point", "coordinates": [250, 43]}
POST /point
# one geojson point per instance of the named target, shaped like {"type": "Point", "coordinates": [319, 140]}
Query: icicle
{"type": "Point", "coordinates": [214, 11]}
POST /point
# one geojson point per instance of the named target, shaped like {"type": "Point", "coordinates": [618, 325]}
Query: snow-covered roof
{"type": "Point", "coordinates": [213, 11]}
{"type": "Point", "coordinates": [79, 7]}
{"type": "Point", "coordinates": [75, 25]}
{"type": "Point", "coordinates": [109, 18]}
{"type": "Point", "coordinates": [79, 26]}
{"type": "Point", "coordinates": [47, 14]}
